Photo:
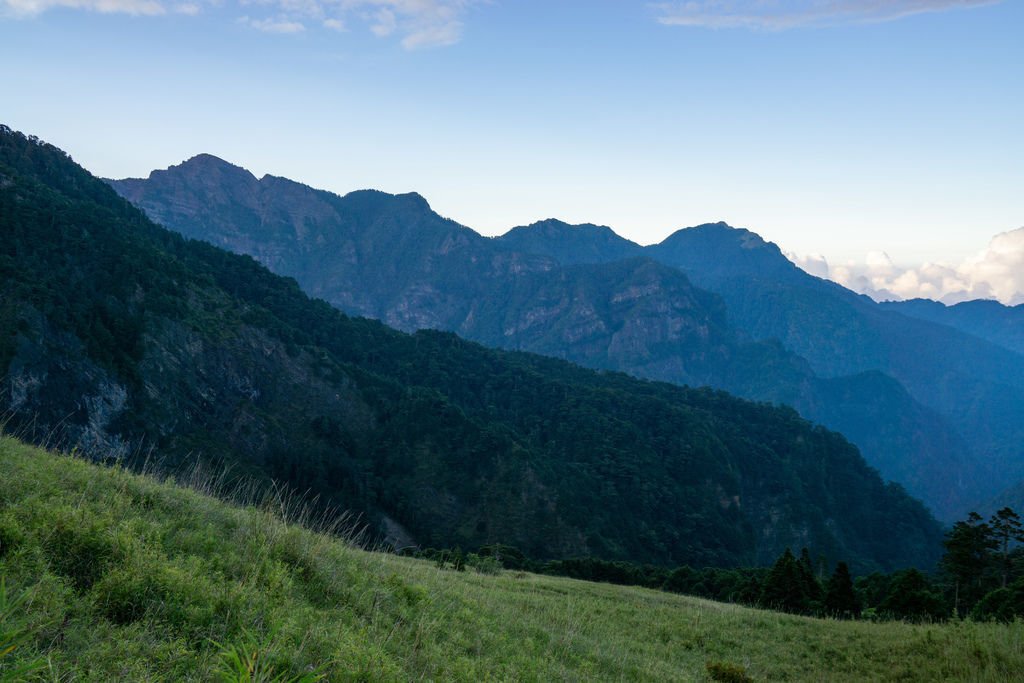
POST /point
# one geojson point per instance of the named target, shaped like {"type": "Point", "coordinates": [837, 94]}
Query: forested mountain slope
{"type": "Point", "coordinates": [576, 292]}
{"type": "Point", "coordinates": [117, 333]}
{"type": "Point", "coordinates": [956, 373]}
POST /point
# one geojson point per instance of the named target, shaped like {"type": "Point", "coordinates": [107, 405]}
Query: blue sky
{"type": "Point", "coordinates": [838, 127]}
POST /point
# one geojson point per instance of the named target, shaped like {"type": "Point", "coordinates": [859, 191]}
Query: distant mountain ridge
{"type": "Point", "coordinates": [984, 318]}
{"type": "Point", "coordinates": [960, 362]}
{"type": "Point", "coordinates": [587, 295]}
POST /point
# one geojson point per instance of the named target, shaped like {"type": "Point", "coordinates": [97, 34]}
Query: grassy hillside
{"type": "Point", "coordinates": [129, 578]}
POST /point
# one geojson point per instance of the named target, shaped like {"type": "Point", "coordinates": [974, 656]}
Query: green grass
{"type": "Point", "coordinates": [128, 578]}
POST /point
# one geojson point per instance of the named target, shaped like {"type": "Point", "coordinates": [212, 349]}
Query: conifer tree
{"type": "Point", "coordinates": [968, 547]}
{"type": "Point", "coordinates": [840, 598]}
{"type": "Point", "coordinates": [785, 587]}
{"type": "Point", "coordinates": [1006, 530]}
{"type": "Point", "coordinates": [811, 586]}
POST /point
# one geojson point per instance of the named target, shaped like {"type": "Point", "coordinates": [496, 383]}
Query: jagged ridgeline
{"type": "Point", "coordinates": [710, 305]}
{"type": "Point", "coordinates": [117, 332]}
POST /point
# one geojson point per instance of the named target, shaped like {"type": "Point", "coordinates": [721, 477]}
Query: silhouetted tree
{"type": "Point", "coordinates": [785, 587]}
{"type": "Point", "coordinates": [911, 596]}
{"type": "Point", "coordinates": [1006, 530]}
{"type": "Point", "coordinates": [840, 598]}
{"type": "Point", "coordinates": [1002, 604]}
{"type": "Point", "coordinates": [811, 586]}
{"type": "Point", "coordinates": [968, 546]}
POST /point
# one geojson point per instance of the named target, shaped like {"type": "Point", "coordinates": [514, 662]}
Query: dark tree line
{"type": "Point", "coordinates": [984, 562]}
{"type": "Point", "coordinates": [981, 576]}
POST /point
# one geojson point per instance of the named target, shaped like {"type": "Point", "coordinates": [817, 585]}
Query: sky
{"type": "Point", "coordinates": [878, 142]}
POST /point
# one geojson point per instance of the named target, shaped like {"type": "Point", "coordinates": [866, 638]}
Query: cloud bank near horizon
{"type": "Point", "coordinates": [997, 273]}
{"type": "Point", "coordinates": [780, 15]}
{"type": "Point", "coordinates": [414, 23]}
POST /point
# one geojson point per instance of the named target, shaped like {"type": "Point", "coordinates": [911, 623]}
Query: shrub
{"type": "Point", "coordinates": [11, 534]}
{"type": "Point", "coordinates": [146, 585]}
{"type": "Point", "coordinates": [250, 660]}
{"type": "Point", "coordinates": [1002, 604]}
{"type": "Point", "coordinates": [483, 565]}
{"type": "Point", "coordinates": [123, 596]}
{"type": "Point", "coordinates": [80, 552]}
{"type": "Point", "coordinates": [728, 672]}
{"type": "Point", "coordinates": [410, 594]}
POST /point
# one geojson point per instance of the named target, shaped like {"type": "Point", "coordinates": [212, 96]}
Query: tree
{"type": "Point", "coordinates": [1006, 529]}
{"type": "Point", "coordinates": [681, 580]}
{"type": "Point", "coordinates": [911, 597]}
{"type": "Point", "coordinates": [1002, 604]}
{"type": "Point", "coordinates": [811, 586]}
{"type": "Point", "coordinates": [840, 598]}
{"type": "Point", "coordinates": [968, 547]}
{"type": "Point", "coordinates": [785, 587]}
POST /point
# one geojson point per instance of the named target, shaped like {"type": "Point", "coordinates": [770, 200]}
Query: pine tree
{"type": "Point", "coordinates": [968, 555]}
{"type": "Point", "coordinates": [785, 588]}
{"type": "Point", "coordinates": [812, 588]}
{"type": "Point", "coordinates": [840, 598]}
{"type": "Point", "coordinates": [1006, 529]}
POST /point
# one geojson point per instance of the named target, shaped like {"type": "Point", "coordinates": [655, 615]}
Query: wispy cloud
{"type": "Point", "coordinates": [29, 8]}
{"type": "Point", "coordinates": [420, 23]}
{"type": "Point", "coordinates": [997, 272]}
{"type": "Point", "coordinates": [777, 15]}
{"type": "Point", "coordinates": [278, 25]}
{"type": "Point", "coordinates": [414, 23]}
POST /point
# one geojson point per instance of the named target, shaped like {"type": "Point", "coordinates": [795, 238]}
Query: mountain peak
{"type": "Point", "coordinates": [207, 159]}
{"type": "Point", "coordinates": [556, 227]}
{"type": "Point", "coordinates": [414, 199]}
{"type": "Point", "coordinates": [723, 250]}
{"type": "Point", "coordinates": [719, 229]}
{"type": "Point", "coordinates": [569, 244]}
{"type": "Point", "coordinates": [208, 165]}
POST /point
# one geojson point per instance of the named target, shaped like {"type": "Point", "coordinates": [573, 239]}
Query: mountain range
{"type": "Point", "coordinates": [131, 343]}
{"type": "Point", "coordinates": [933, 404]}
{"type": "Point", "coordinates": [984, 318]}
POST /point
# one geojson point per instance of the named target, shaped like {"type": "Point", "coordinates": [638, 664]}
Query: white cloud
{"type": "Point", "coordinates": [414, 23]}
{"type": "Point", "coordinates": [777, 15]}
{"type": "Point", "coordinates": [420, 23]}
{"type": "Point", "coordinates": [815, 264]}
{"type": "Point", "coordinates": [433, 36]}
{"type": "Point", "coordinates": [29, 8]}
{"type": "Point", "coordinates": [384, 23]}
{"type": "Point", "coordinates": [997, 272]}
{"type": "Point", "coordinates": [279, 25]}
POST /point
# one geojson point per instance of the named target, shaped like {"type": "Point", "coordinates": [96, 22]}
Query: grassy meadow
{"type": "Point", "coordinates": [109, 575]}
